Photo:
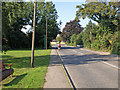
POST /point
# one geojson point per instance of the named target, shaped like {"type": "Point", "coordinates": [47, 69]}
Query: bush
{"type": "Point", "coordinates": [95, 44]}
{"type": "Point", "coordinates": [115, 43]}
{"type": "Point", "coordinates": [116, 49]}
{"type": "Point", "coordinates": [74, 44]}
{"type": "Point", "coordinates": [87, 43]}
{"type": "Point", "coordinates": [73, 38]}
{"type": "Point", "coordinates": [79, 40]}
{"type": "Point", "coordinates": [5, 48]}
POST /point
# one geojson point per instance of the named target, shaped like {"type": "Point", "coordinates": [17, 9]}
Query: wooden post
{"type": "Point", "coordinates": [46, 32]}
{"type": "Point", "coordinates": [91, 32]}
{"type": "Point", "coordinates": [33, 37]}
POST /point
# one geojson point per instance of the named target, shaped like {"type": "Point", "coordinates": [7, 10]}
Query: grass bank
{"type": "Point", "coordinates": [24, 76]}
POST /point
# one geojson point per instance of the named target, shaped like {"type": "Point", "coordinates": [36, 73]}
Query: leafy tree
{"type": "Point", "coordinates": [107, 16]}
{"type": "Point", "coordinates": [102, 12]}
{"type": "Point", "coordinates": [13, 19]}
{"type": "Point", "coordinates": [115, 44]}
{"type": "Point", "coordinates": [73, 39]}
{"type": "Point", "coordinates": [18, 14]}
{"type": "Point", "coordinates": [86, 34]}
{"type": "Point", "coordinates": [79, 40]}
{"type": "Point", "coordinates": [47, 10]}
{"type": "Point", "coordinates": [76, 39]}
{"type": "Point", "coordinates": [72, 27]}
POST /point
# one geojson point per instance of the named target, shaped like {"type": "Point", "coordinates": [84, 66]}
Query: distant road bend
{"type": "Point", "coordinates": [88, 69]}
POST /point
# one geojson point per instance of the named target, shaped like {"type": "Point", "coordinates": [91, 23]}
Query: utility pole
{"type": "Point", "coordinates": [46, 32]}
{"type": "Point", "coordinates": [91, 32]}
{"type": "Point", "coordinates": [33, 37]}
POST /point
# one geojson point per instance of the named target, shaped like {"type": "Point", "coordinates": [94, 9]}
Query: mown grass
{"type": "Point", "coordinates": [24, 76]}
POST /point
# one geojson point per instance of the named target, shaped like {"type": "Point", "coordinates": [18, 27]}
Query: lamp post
{"type": "Point", "coordinates": [33, 37]}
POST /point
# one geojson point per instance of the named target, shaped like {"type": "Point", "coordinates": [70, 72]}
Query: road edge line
{"type": "Point", "coordinates": [64, 72]}
{"type": "Point", "coordinates": [105, 63]}
{"type": "Point", "coordinates": [110, 64]}
{"type": "Point", "coordinates": [67, 74]}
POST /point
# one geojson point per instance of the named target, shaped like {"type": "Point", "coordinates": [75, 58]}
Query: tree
{"type": "Point", "coordinates": [13, 19]}
{"type": "Point", "coordinates": [107, 16]}
{"type": "Point", "coordinates": [73, 39]}
{"type": "Point", "coordinates": [72, 27]}
{"type": "Point", "coordinates": [46, 9]}
{"type": "Point", "coordinates": [85, 35]}
{"type": "Point", "coordinates": [79, 40]}
{"type": "Point", "coordinates": [15, 15]}
{"type": "Point", "coordinates": [101, 12]}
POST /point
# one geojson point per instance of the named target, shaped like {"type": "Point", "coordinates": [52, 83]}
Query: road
{"type": "Point", "coordinates": [88, 69]}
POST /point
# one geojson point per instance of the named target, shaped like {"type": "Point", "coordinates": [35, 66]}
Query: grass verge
{"type": "Point", "coordinates": [24, 76]}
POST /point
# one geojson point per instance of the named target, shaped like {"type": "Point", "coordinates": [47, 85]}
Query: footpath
{"type": "Point", "coordinates": [55, 77]}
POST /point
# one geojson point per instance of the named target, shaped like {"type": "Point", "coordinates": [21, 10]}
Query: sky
{"type": "Point", "coordinates": [67, 11]}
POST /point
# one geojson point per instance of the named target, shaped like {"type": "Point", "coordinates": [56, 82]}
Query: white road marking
{"type": "Point", "coordinates": [74, 51]}
{"type": "Point", "coordinates": [101, 61]}
{"type": "Point", "coordinates": [67, 73]}
{"type": "Point", "coordinates": [60, 56]}
{"type": "Point", "coordinates": [110, 64]}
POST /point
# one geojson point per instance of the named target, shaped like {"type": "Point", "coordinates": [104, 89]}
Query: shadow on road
{"type": "Point", "coordinates": [71, 58]}
{"type": "Point", "coordinates": [66, 48]}
{"type": "Point", "coordinates": [82, 59]}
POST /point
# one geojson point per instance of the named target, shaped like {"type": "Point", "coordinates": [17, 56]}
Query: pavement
{"type": "Point", "coordinates": [55, 77]}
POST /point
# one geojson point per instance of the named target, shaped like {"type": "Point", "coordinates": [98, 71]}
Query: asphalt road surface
{"type": "Point", "coordinates": [88, 69]}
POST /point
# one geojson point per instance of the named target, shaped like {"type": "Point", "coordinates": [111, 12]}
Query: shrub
{"type": "Point", "coordinates": [5, 48]}
{"type": "Point", "coordinates": [115, 43]}
{"type": "Point", "coordinates": [79, 40]}
{"type": "Point", "coordinates": [95, 44]}
{"type": "Point", "coordinates": [116, 49]}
